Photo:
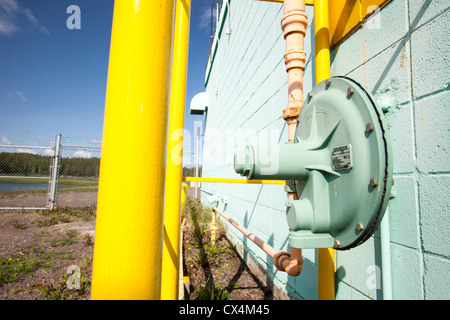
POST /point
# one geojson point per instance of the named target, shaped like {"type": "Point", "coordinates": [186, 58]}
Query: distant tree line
{"type": "Point", "coordinates": [34, 164]}
{"type": "Point", "coordinates": [79, 167]}
{"type": "Point", "coordinates": [24, 164]}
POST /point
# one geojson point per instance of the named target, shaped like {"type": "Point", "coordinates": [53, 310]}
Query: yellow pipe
{"type": "Point", "coordinates": [222, 180]}
{"type": "Point", "coordinates": [180, 246]}
{"type": "Point", "coordinates": [170, 266]}
{"type": "Point", "coordinates": [129, 226]}
{"type": "Point", "coordinates": [322, 40]}
{"type": "Point", "coordinates": [183, 199]}
{"type": "Point", "coordinates": [322, 44]}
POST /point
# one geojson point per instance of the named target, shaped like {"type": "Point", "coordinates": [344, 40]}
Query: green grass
{"type": "Point", "coordinates": [207, 254]}
{"type": "Point", "coordinates": [43, 179]}
{"type": "Point", "coordinates": [73, 181]}
{"type": "Point", "coordinates": [12, 268]}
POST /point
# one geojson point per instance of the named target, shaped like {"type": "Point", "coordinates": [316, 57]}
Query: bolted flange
{"type": "Point", "coordinates": [342, 174]}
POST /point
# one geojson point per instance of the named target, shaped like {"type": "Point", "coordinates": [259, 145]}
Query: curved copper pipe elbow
{"type": "Point", "coordinates": [292, 265]}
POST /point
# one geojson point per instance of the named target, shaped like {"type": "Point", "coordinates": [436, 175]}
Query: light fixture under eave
{"type": "Point", "coordinates": [199, 103]}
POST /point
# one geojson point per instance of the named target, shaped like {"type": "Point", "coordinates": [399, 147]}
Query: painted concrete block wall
{"type": "Point", "coordinates": [402, 57]}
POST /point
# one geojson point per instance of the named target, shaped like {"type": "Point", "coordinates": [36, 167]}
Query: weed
{"type": "Point", "coordinates": [62, 291]}
{"type": "Point", "coordinates": [85, 213]}
{"type": "Point", "coordinates": [86, 262]}
{"type": "Point", "coordinates": [69, 256]}
{"type": "Point", "coordinates": [88, 239]}
{"type": "Point", "coordinates": [70, 238]}
{"type": "Point", "coordinates": [212, 293]}
{"type": "Point", "coordinates": [11, 269]}
{"type": "Point", "coordinates": [19, 225]}
{"type": "Point", "coordinates": [51, 292]}
{"type": "Point", "coordinates": [53, 220]}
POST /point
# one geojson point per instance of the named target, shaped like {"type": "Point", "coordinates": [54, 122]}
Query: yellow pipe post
{"type": "Point", "coordinates": [183, 199]}
{"type": "Point", "coordinates": [129, 226]}
{"type": "Point", "coordinates": [322, 44]}
{"type": "Point", "coordinates": [242, 181]}
{"type": "Point", "coordinates": [174, 166]}
{"type": "Point", "coordinates": [180, 245]}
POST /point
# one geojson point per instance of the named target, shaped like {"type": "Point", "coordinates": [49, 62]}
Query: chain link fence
{"type": "Point", "coordinates": [63, 175]}
{"type": "Point", "coordinates": [78, 175]}
{"type": "Point", "coordinates": [25, 176]}
{"type": "Point", "coordinates": [45, 177]}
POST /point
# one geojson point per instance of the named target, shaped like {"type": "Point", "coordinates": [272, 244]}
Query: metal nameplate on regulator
{"type": "Point", "coordinates": [342, 157]}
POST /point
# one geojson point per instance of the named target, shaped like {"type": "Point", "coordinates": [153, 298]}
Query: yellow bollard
{"type": "Point", "coordinates": [129, 226]}
{"type": "Point", "coordinates": [170, 271]}
{"type": "Point", "coordinates": [213, 228]}
{"type": "Point", "coordinates": [183, 199]}
{"type": "Point", "coordinates": [322, 44]}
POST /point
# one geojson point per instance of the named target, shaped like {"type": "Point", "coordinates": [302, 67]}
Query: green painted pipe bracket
{"type": "Point", "coordinates": [341, 165]}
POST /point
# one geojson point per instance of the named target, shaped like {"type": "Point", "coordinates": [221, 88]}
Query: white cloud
{"type": "Point", "coordinates": [82, 154]}
{"type": "Point", "coordinates": [21, 95]}
{"type": "Point", "coordinates": [5, 140]}
{"type": "Point", "coordinates": [22, 150]}
{"type": "Point", "coordinates": [18, 94]}
{"type": "Point", "coordinates": [14, 17]}
{"type": "Point", "coordinates": [96, 142]}
{"type": "Point", "coordinates": [25, 130]}
{"type": "Point", "coordinates": [49, 152]}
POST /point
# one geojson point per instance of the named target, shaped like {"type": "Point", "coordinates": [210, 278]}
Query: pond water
{"type": "Point", "coordinates": [22, 185]}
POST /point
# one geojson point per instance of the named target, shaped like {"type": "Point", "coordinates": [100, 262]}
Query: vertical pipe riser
{"type": "Point", "coordinates": [322, 53]}
{"type": "Point", "coordinates": [174, 167]}
{"type": "Point", "coordinates": [129, 227]}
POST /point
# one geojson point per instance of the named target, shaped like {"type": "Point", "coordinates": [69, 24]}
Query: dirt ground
{"type": "Point", "coordinates": [48, 255]}
{"type": "Point", "coordinates": [43, 254]}
{"type": "Point", "coordinates": [70, 199]}
{"type": "Point", "coordinates": [216, 272]}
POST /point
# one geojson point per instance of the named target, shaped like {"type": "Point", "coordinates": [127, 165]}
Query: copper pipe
{"type": "Point", "coordinates": [291, 263]}
{"type": "Point", "coordinates": [294, 23]}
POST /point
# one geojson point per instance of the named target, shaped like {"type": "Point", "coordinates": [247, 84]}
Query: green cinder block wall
{"type": "Point", "coordinates": [401, 55]}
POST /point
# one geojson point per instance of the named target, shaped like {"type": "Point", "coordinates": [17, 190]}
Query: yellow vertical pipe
{"type": "Point", "coordinates": [129, 226]}
{"type": "Point", "coordinates": [322, 45]}
{"type": "Point", "coordinates": [183, 198]}
{"type": "Point", "coordinates": [174, 167]}
{"type": "Point", "coordinates": [180, 245]}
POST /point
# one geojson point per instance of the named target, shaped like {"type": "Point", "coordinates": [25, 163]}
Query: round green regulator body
{"type": "Point", "coordinates": [340, 166]}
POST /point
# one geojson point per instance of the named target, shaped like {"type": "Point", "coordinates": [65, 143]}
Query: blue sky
{"type": "Point", "coordinates": [53, 80]}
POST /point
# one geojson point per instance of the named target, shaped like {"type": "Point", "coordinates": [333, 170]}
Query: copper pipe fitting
{"type": "Point", "coordinates": [293, 24]}
{"type": "Point", "coordinates": [291, 263]}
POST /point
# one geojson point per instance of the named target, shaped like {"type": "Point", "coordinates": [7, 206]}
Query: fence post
{"type": "Point", "coordinates": [55, 171]}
